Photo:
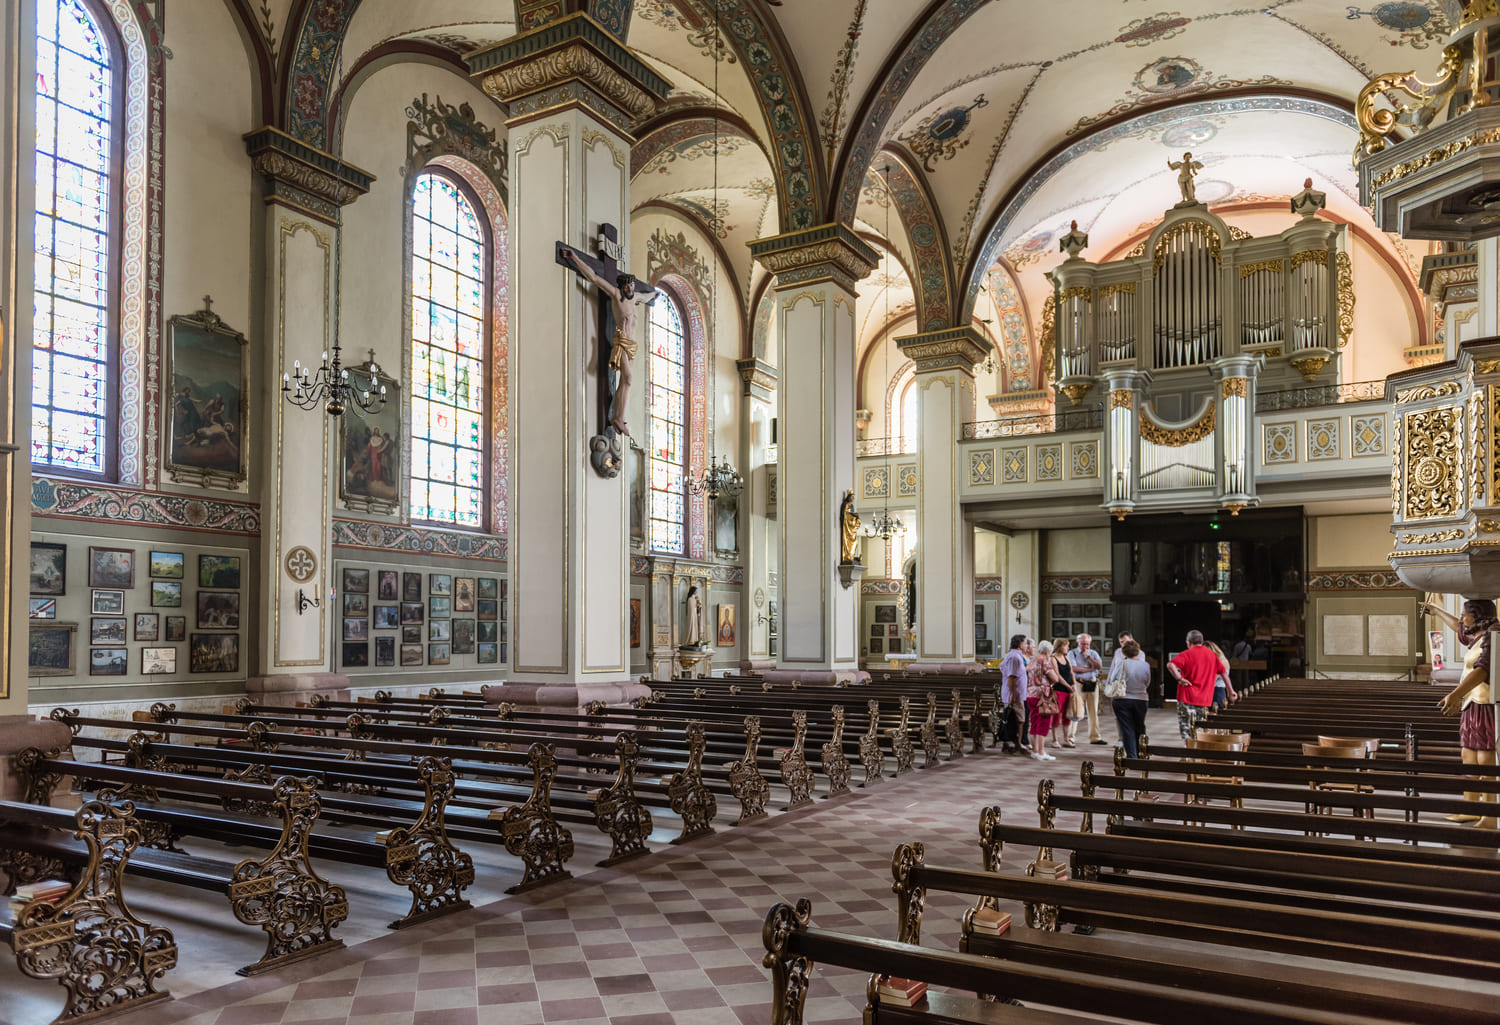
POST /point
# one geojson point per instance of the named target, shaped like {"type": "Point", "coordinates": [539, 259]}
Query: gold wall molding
{"type": "Point", "coordinates": [1215, 245]}
{"type": "Point", "coordinates": [1317, 256]}
{"type": "Point", "coordinates": [1177, 437]}
{"type": "Point", "coordinates": [1233, 386]}
{"type": "Point", "coordinates": [1435, 156]}
{"type": "Point", "coordinates": [1428, 391]}
{"type": "Point", "coordinates": [1484, 366]}
{"type": "Point", "coordinates": [1345, 297]}
{"type": "Point", "coordinates": [1124, 287]}
{"type": "Point", "coordinates": [1478, 447]}
{"type": "Point", "coordinates": [1083, 292]}
{"type": "Point", "coordinates": [1252, 268]}
{"type": "Point", "coordinates": [1489, 526]}
{"type": "Point", "coordinates": [1431, 487]}
{"type": "Point", "coordinates": [1433, 537]}
{"type": "Point", "coordinates": [1121, 398]}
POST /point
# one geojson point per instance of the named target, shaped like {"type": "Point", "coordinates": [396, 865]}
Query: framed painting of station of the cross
{"type": "Point", "coordinates": [207, 415]}
{"type": "Point", "coordinates": [370, 454]}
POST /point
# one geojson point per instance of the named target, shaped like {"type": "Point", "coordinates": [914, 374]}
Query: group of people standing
{"type": "Point", "coordinates": [1048, 689]}
{"type": "Point", "coordinates": [1052, 686]}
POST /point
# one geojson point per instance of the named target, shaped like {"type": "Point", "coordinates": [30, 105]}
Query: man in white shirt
{"type": "Point", "coordinates": [1086, 667]}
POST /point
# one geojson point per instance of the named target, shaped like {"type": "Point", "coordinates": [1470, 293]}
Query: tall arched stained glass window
{"type": "Point", "coordinates": [449, 356]}
{"type": "Point", "coordinates": [76, 206]}
{"type": "Point", "coordinates": [668, 426]}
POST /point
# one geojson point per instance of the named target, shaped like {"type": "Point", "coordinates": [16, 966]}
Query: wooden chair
{"type": "Point", "coordinates": [1206, 741]}
{"type": "Point", "coordinates": [1360, 749]}
{"type": "Point", "coordinates": [1371, 744]}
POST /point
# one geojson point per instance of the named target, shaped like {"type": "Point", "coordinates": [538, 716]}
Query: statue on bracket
{"type": "Point", "coordinates": [848, 529]}
{"type": "Point", "coordinates": [617, 341]}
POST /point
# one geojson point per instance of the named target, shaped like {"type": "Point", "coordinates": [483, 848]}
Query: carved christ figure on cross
{"type": "Point", "coordinates": [622, 346]}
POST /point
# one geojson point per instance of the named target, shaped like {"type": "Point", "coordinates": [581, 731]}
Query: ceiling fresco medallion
{"type": "Point", "coordinates": [1189, 134]}
{"type": "Point", "coordinates": [941, 135]}
{"type": "Point", "coordinates": [1168, 75]}
{"type": "Point", "coordinates": [1159, 28]}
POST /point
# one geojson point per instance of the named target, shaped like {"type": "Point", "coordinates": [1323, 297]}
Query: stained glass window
{"type": "Point", "coordinates": [668, 401]}
{"type": "Point", "coordinates": [909, 417]}
{"type": "Point", "coordinates": [75, 206]}
{"type": "Point", "coordinates": [448, 355]}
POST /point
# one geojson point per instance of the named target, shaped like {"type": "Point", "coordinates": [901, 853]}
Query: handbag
{"type": "Point", "coordinates": [1047, 704]}
{"type": "Point", "coordinates": [1076, 709]}
{"type": "Point", "coordinates": [1114, 687]}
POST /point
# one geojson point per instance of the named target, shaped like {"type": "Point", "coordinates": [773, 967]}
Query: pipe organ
{"type": "Point", "coordinates": [1175, 336]}
{"type": "Point", "coordinates": [1207, 291]}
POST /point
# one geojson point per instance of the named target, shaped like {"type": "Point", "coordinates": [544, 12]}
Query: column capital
{"type": "Point", "coordinates": [953, 348]}
{"type": "Point", "coordinates": [758, 376]}
{"type": "Point", "coordinates": [829, 252]}
{"type": "Point", "coordinates": [304, 177]}
{"type": "Point", "coordinates": [573, 61]}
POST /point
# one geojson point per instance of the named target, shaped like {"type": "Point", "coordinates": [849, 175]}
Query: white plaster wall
{"type": "Point", "coordinates": [1078, 551]}
{"type": "Point", "coordinates": [209, 181]}
{"type": "Point", "coordinates": [373, 274]}
{"type": "Point", "coordinates": [1351, 542]}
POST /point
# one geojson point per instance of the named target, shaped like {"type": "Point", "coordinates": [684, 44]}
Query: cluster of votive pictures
{"type": "Point", "coordinates": [422, 631]}
{"type": "Point", "coordinates": [112, 623]}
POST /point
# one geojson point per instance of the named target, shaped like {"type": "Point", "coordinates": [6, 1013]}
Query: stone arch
{"type": "Point", "coordinates": [936, 25]}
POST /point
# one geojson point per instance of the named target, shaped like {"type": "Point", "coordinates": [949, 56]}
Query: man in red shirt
{"type": "Point", "coordinates": [1195, 671]}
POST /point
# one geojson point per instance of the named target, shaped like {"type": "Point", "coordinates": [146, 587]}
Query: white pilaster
{"type": "Point", "coordinates": [945, 558]}
{"type": "Point", "coordinates": [816, 271]}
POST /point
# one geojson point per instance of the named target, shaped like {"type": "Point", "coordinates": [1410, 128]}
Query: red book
{"type": "Point", "coordinates": [990, 922]}
{"type": "Point", "coordinates": [901, 992]}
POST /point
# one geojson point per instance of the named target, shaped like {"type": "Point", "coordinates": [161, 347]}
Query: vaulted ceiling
{"type": "Point", "coordinates": [997, 122]}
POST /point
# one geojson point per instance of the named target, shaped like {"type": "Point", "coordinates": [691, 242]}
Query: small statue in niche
{"type": "Point", "coordinates": [1186, 168]}
{"type": "Point", "coordinates": [848, 528]}
{"type": "Point", "coordinates": [692, 619]}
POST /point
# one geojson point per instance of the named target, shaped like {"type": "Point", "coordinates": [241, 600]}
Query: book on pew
{"type": "Point", "coordinates": [45, 891]}
{"type": "Point", "coordinates": [990, 922]}
{"type": "Point", "coordinates": [902, 992]}
{"type": "Point", "coordinates": [1055, 870]}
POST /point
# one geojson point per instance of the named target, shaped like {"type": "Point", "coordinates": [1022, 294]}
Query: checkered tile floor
{"type": "Point", "coordinates": [673, 937]}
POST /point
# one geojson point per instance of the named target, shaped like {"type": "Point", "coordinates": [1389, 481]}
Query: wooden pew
{"type": "Point", "coordinates": [794, 946]}
{"type": "Point", "coordinates": [410, 841]}
{"type": "Point", "coordinates": [107, 959]}
{"type": "Point", "coordinates": [281, 893]}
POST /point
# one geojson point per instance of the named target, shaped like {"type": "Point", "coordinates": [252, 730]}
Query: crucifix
{"type": "Point", "coordinates": [617, 341]}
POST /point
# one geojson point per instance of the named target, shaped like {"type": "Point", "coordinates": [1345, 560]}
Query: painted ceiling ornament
{"type": "Point", "coordinates": [940, 136]}
{"type": "Point", "coordinates": [1415, 24]}
{"type": "Point", "coordinates": [694, 149]}
{"type": "Point", "coordinates": [1168, 75]}
{"type": "Point", "coordinates": [1157, 29]}
{"type": "Point", "coordinates": [1187, 134]}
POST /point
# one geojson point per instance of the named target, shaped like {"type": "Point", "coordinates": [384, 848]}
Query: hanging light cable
{"type": "Point", "coordinates": [331, 384]}
{"type": "Point", "coordinates": [718, 480]}
{"type": "Point", "coordinates": [884, 525]}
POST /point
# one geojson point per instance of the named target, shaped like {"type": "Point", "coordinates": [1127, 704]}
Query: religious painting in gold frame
{"type": "Point", "coordinates": [372, 455]}
{"type": "Point", "coordinates": [207, 420]}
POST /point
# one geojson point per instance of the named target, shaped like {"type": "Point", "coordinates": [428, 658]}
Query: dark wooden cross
{"type": "Point", "coordinates": [606, 264]}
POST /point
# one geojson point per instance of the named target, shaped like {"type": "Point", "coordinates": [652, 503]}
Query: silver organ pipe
{"type": "Point", "coordinates": [1185, 296]}
{"type": "Point", "coordinates": [1171, 467]}
{"type": "Point", "coordinates": [1073, 320]}
{"type": "Point", "coordinates": [1262, 308]}
{"type": "Point", "coordinates": [1114, 320]}
{"type": "Point", "coordinates": [1310, 299]}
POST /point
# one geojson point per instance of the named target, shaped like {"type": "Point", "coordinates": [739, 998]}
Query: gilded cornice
{"type": "Point", "coordinates": [303, 176]}
{"type": "Point", "coordinates": [1175, 437]}
{"type": "Point", "coordinates": [954, 348]}
{"type": "Point", "coordinates": [573, 49]}
{"type": "Point", "coordinates": [758, 377]}
{"type": "Point", "coordinates": [829, 251]}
